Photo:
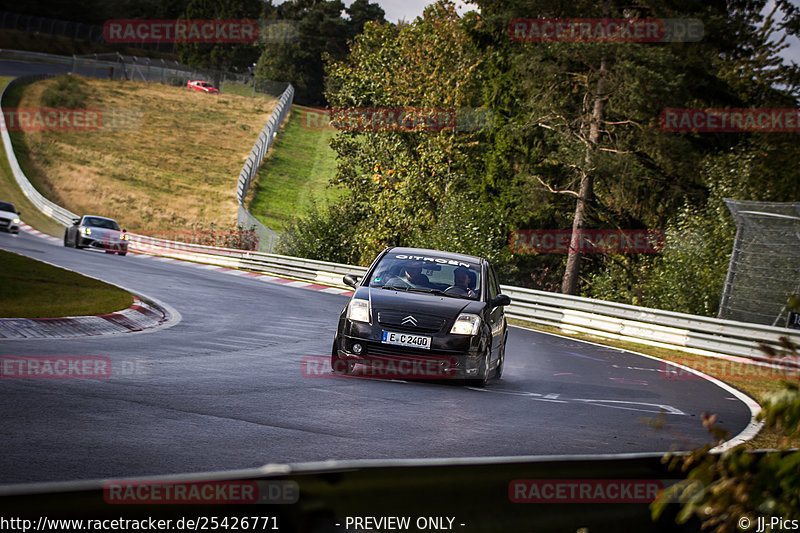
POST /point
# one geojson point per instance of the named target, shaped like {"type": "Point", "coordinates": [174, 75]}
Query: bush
{"type": "Point", "coordinates": [67, 91]}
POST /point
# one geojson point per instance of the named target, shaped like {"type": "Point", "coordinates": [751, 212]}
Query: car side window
{"type": "Point", "coordinates": [492, 285]}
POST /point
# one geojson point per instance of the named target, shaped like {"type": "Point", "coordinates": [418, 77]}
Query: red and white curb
{"type": "Point", "coordinates": [138, 317]}
{"type": "Point", "coordinates": [232, 271]}
{"type": "Point", "coordinates": [23, 226]}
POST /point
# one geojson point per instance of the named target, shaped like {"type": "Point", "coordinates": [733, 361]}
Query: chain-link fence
{"type": "Point", "coordinates": [76, 31]}
{"type": "Point", "coordinates": [33, 24]}
{"type": "Point", "coordinates": [245, 219]}
{"type": "Point", "coordinates": [764, 271]}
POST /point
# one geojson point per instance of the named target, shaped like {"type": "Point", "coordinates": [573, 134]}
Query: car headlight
{"type": "Point", "coordinates": [124, 237]}
{"type": "Point", "coordinates": [358, 310]}
{"type": "Point", "coordinates": [15, 221]}
{"type": "Point", "coordinates": [466, 324]}
{"type": "Point", "coordinates": [87, 231]}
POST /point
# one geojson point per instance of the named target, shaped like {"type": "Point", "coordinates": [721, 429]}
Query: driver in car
{"type": "Point", "coordinates": [463, 280]}
{"type": "Point", "coordinates": [413, 274]}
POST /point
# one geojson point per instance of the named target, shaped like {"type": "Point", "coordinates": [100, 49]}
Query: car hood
{"type": "Point", "coordinates": [8, 214]}
{"type": "Point", "coordinates": [101, 233]}
{"type": "Point", "coordinates": [415, 302]}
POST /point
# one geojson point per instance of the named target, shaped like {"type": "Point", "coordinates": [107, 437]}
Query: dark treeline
{"type": "Point", "coordinates": [324, 28]}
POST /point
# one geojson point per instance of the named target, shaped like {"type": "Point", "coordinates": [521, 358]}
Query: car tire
{"type": "Point", "coordinates": [66, 240]}
{"type": "Point", "coordinates": [498, 370]}
{"type": "Point", "coordinates": [483, 371]}
{"type": "Point", "coordinates": [123, 253]}
{"type": "Point", "coordinates": [77, 244]}
{"type": "Point", "coordinates": [339, 365]}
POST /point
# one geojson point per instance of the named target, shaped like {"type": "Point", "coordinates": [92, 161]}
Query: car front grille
{"type": "Point", "coordinates": [410, 321]}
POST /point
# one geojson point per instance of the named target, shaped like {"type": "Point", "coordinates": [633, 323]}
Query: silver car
{"type": "Point", "coordinates": [91, 231]}
{"type": "Point", "coordinates": [9, 218]}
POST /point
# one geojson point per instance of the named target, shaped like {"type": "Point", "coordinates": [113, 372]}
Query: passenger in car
{"type": "Point", "coordinates": [465, 279]}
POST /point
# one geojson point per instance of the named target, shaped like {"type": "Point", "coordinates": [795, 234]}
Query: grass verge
{"type": "Point", "coordinates": [295, 173]}
{"type": "Point", "coordinates": [752, 380]}
{"type": "Point", "coordinates": [32, 289]}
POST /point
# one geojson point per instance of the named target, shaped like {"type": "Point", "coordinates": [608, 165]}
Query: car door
{"type": "Point", "coordinates": [497, 319]}
{"type": "Point", "coordinates": [72, 232]}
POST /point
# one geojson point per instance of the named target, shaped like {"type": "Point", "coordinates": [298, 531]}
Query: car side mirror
{"type": "Point", "coordinates": [350, 280]}
{"type": "Point", "coordinates": [76, 221]}
{"type": "Point", "coordinates": [500, 300]}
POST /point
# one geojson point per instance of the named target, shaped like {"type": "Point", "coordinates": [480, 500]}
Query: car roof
{"type": "Point", "coordinates": [98, 216]}
{"type": "Point", "coordinates": [439, 253]}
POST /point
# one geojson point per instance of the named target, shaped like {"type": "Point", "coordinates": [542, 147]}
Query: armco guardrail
{"type": "Point", "coordinates": [56, 212]}
{"type": "Point", "coordinates": [322, 272]}
{"type": "Point", "coordinates": [691, 333]}
{"type": "Point", "coordinates": [244, 218]}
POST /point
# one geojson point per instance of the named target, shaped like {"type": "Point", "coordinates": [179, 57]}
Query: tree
{"type": "Point", "coordinates": [322, 32]}
{"type": "Point", "coordinates": [220, 56]}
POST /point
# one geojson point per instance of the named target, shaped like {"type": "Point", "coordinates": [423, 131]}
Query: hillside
{"type": "Point", "coordinates": [165, 158]}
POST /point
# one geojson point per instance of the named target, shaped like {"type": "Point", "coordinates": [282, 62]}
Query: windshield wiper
{"type": "Point", "coordinates": [429, 291]}
{"type": "Point", "coordinates": [395, 288]}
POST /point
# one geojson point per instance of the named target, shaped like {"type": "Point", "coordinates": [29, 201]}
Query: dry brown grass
{"type": "Point", "coordinates": [176, 169]}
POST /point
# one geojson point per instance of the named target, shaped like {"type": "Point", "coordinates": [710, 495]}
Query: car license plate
{"type": "Point", "coordinates": [406, 339]}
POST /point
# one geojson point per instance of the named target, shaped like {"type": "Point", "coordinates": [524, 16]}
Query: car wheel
{"type": "Point", "coordinates": [338, 364]}
{"type": "Point", "coordinates": [498, 371]}
{"type": "Point", "coordinates": [483, 371]}
{"type": "Point", "coordinates": [77, 244]}
{"type": "Point", "coordinates": [123, 253]}
{"type": "Point", "coordinates": [66, 240]}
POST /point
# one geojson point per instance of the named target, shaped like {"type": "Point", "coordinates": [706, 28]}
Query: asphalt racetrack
{"type": "Point", "coordinates": [229, 387]}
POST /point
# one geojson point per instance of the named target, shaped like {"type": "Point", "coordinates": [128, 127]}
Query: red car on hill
{"type": "Point", "coordinates": [203, 86]}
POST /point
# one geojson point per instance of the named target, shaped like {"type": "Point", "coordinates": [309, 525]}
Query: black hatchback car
{"type": "Point", "coordinates": [423, 314]}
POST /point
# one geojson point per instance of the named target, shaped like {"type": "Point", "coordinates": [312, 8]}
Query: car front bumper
{"type": "Point", "coordinates": [449, 357]}
{"type": "Point", "coordinates": [119, 246]}
{"type": "Point", "coordinates": [9, 225]}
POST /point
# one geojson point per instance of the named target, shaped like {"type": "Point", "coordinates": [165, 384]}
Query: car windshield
{"type": "Point", "coordinates": [431, 274]}
{"type": "Point", "coordinates": [6, 206]}
{"type": "Point", "coordinates": [104, 223]}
